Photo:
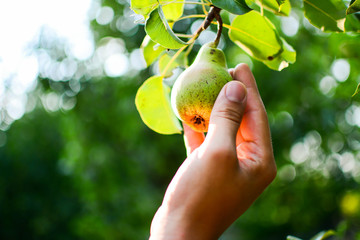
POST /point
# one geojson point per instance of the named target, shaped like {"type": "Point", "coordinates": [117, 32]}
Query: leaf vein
{"type": "Point", "coordinates": [320, 10]}
{"type": "Point", "coordinates": [250, 36]}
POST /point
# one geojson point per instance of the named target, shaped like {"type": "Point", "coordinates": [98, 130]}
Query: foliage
{"type": "Point", "coordinates": [320, 236]}
{"type": "Point", "coordinates": [249, 29]}
{"type": "Point", "coordinates": [89, 168]}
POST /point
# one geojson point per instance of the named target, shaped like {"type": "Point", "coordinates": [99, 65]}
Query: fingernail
{"type": "Point", "coordinates": [235, 92]}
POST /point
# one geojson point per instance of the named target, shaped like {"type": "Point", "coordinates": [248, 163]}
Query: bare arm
{"type": "Point", "coordinates": [224, 172]}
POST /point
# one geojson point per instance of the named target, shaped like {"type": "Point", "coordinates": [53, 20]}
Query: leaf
{"type": "Point", "coordinates": [151, 50]}
{"type": "Point", "coordinates": [180, 61]}
{"type": "Point", "coordinates": [280, 2]}
{"type": "Point", "coordinates": [237, 7]}
{"type": "Point", "coordinates": [354, 7]}
{"type": "Point", "coordinates": [323, 235]}
{"type": "Point", "coordinates": [285, 8]}
{"type": "Point", "coordinates": [173, 11]}
{"type": "Point", "coordinates": [153, 104]}
{"type": "Point", "coordinates": [273, 6]}
{"type": "Point", "coordinates": [163, 62]}
{"type": "Point", "coordinates": [159, 30]}
{"type": "Point", "coordinates": [143, 7]}
{"type": "Point", "coordinates": [352, 23]}
{"type": "Point", "coordinates": [288, 55]}
{"type": "Point", "coordinates": [256, 36]}
{"type": "Point", "coordinates": [292, 238]}
{"type": "Point", "coordinates": [328, 15]}
{"type": "Point", "coordinates": [357, 91]}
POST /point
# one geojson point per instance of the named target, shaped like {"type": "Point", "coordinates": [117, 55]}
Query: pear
{"type": "Point", "coordinates": [196, 89]}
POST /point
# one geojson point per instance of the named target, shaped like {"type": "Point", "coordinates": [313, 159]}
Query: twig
{"type": "Point", "coordinates": [213, 13]}
{"type": "Point", "coordinates": [220, 26]}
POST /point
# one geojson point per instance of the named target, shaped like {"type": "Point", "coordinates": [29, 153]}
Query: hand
{"type": "Point", "coordinates": [224, 172]}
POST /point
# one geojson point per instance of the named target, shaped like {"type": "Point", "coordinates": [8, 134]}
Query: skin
{"type": "Point", "coordinates": [224, 172]}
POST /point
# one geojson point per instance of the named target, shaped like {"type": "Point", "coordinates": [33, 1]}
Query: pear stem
{"type": "Point", "coordinates": [213, 13]}
{"type": "Point", "coordinates": [209, 18]}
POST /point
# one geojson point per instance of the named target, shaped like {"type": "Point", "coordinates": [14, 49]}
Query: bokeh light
{"type": "Point", "coordinates": [340, 68]}
{"type": "Point", "coordinates": [327, 85]}
{"type": "Point", "coordinates": [116, 65]}
{"type": "Point", "coordinates": [39, 21]}
{"type": "Point", "coordinates": [350, 204]}
{"type": "Point", "coordinates": [105, 15]}
{"type": "Point", "coordinates": [290, 25]}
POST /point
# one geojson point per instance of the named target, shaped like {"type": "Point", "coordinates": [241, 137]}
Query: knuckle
{"type": "Point", "coordinates": [269, 172]}
{"type": "Point", "coordinates": [266, 171]}
{"type": "Point", "coordinates": [230, 114]}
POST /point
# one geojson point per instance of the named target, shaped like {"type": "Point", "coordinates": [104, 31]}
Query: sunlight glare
{"type": "Point", "coordinates": [16, 107]}
{"type": "Point", "coordinates": [116, 65]}
{"type": "Point", "coordinates": [21, 23]}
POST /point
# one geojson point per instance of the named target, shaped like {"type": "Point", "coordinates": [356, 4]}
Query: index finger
{"type": "Point", "coordinates": [192, 139]}
{"type": "Point", "coordinates": [254, 126]}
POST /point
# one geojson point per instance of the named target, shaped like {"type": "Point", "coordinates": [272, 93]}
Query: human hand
{"type": "Point", "coordinates": [224, 172]}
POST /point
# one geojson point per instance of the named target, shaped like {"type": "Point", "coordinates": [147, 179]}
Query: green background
{"type": "Point", "coordinates": [97, 172]}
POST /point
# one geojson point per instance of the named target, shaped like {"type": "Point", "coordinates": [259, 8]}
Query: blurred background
{"type": "Point", "coordinates": [77, 162]}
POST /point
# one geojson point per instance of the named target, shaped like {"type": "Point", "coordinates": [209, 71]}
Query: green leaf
{"type": "Point", "coordinates": [328, 15]}
{"type": "Point", "coordinates": [280, 2]}
{"type": "Point", "coordinates": [352, 23]}
{"type": "Point", "coordinates": [357, 91]}
{"type": "Point", "coordinates": [151, 50]}
{"type": "Point", "coordinates": [292, 238]}
{"type": "Point", "coordinates": [288, 55]}
{"type": "Point", "coordinates": [173, 11]}
{"type": "Point", "coordinates": [256, 35]}
{"type": "Point", "coordinates": [143, 7]}
{"type": "Point", "coordinates": [285, 8]}
{"type": "Point", "coordinates": [273, 6]}
{"type": "Point", "coordinates": [153, 103]}
{"type": "Point", "coordinates": [163, 62]}
{"type": "Point", "coordinates": [323, 235]}
{"type": "Point", "coordinates": [160, 32]}
{"type": "Point", "coordinates": [237, 7]}
{"type": "Point", "coordinates": [354, 7]}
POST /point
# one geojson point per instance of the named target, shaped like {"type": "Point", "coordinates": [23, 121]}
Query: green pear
{"type": "Point", "coordinates": [196, 89]}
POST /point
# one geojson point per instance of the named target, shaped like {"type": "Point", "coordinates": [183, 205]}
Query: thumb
{"type": "Point", "coordinates": [227, 112]}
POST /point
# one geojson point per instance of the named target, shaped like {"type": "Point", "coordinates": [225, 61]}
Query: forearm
{"type": "Point", "coordinates": [177, 225]}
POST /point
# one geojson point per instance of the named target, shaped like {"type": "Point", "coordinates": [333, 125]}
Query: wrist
{"type": "Point", "coordinates": [177, 225]}
{"type": "Point", "coordinates": [167, 226]}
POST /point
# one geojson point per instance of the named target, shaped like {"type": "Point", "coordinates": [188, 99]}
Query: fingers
{"type": "Point", "coordinates": [243, 74]}
{"type": "Point", "coordinates": [192, 139]}
{"type": "Point", "coordinates": [231, 71]}
{"type": "Point", "coordinates": [254, 126]}
{"type": "Point", "coordinates": [227, 113]}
